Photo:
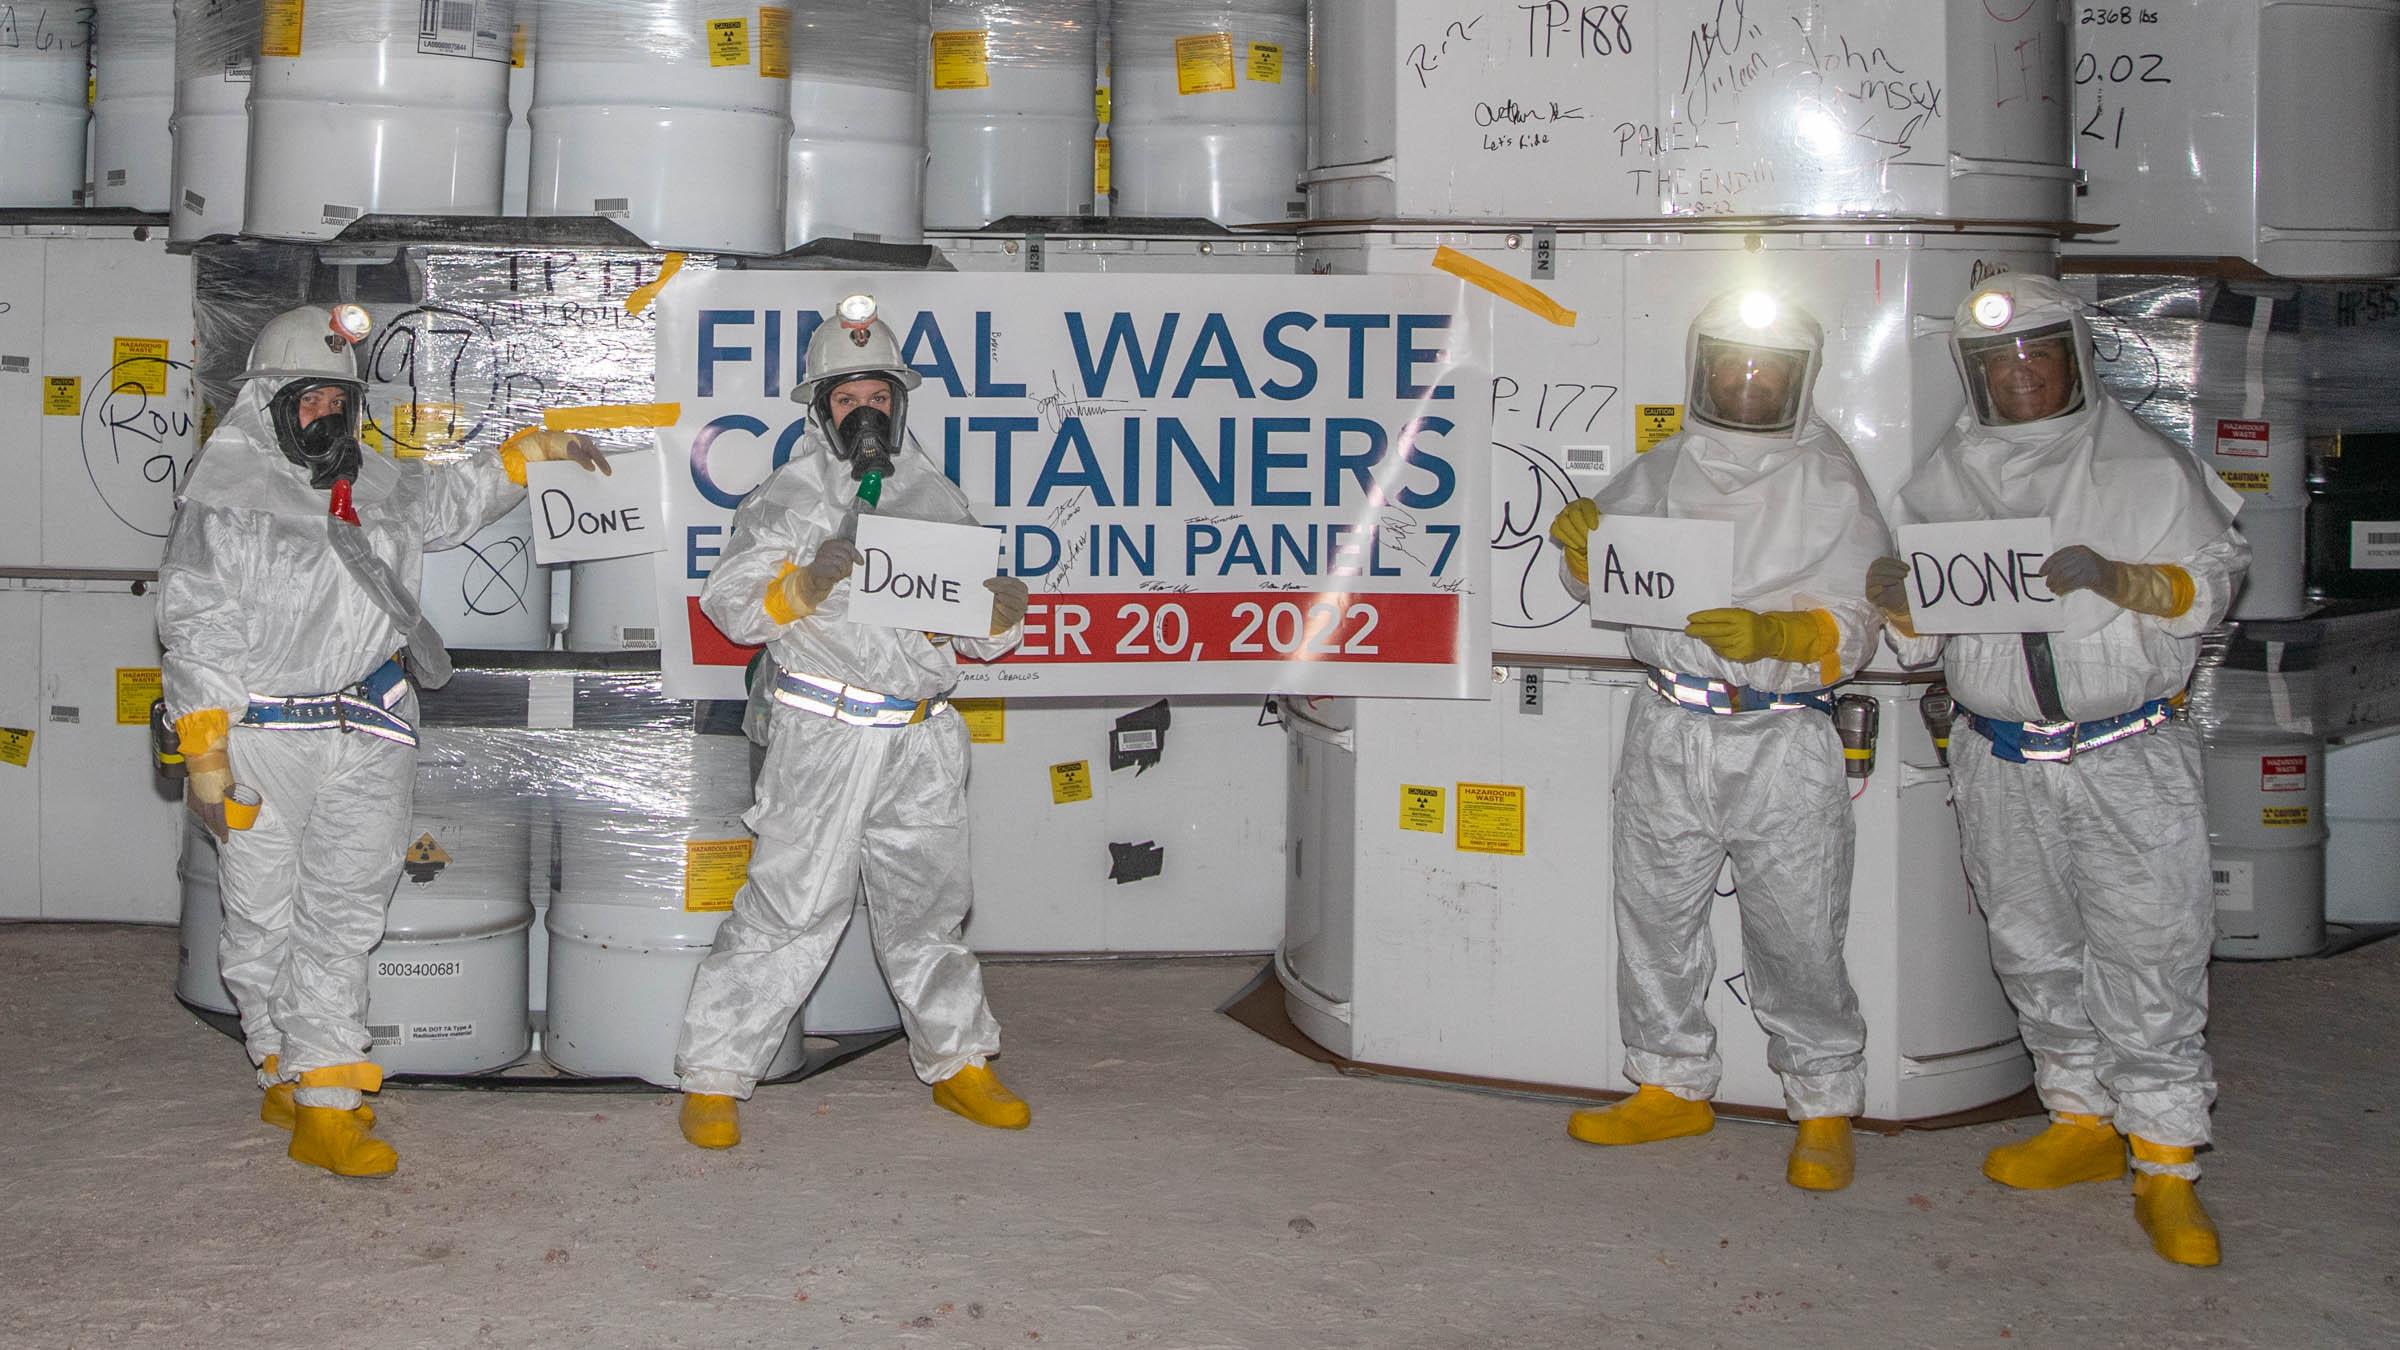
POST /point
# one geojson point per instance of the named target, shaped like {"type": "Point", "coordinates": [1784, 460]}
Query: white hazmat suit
{"type": "Point", "coordinates": [1697, 782]}
{"type": "Point", "coordinates": [2079, 799]}
{"type": "Point", "coordinates": [856, 786]}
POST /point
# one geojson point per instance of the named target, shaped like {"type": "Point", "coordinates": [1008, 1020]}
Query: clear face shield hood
{"type": "Point", "coordinates": [327, 444]}
{"type": "Point", "coordinates": [2018, 378]}
{"type": "Point", "coordinates": [1749, 387]}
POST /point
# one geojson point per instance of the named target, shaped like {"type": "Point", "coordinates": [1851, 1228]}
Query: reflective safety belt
{"type": "Point", "coordinates": [1701, 694]}
{"type": "Point", "coordinates": [368, 706]}
{"type": "Point", "coordinates": [850, 704]}
{"type": "Point", "coordinates": [2027, 742]}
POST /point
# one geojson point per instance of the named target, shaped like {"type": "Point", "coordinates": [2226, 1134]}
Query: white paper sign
{"type": "Point", "coordinates": [922, 575]}
{"type": "Point", "coordinates": [580, 515]}
{"type": "Point", "coordinates": [1654, 573]}
{"type": "Point", "coordinates": [1980, 576]}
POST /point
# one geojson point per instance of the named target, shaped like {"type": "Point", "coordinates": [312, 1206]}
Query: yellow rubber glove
{"type": "Point", "coordinates": [207, 768]}
{"type": "Point", "coordinates": [1008, 602]}
{"type": "Point", "coordinates": [1784, 635]}
{"type": "Point", "coordinates": [1572, 532]}
{"type": "Point", "coordinates": [1887, 590]}
{"type": "Point", "coordinates": [798, 591]}
{"type": "Point", "coordinates": [2162, 589]}
{"type": "Point", "coordinates": [536, 444]}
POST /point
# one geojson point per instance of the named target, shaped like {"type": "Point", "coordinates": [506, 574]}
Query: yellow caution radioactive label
{"type": "Point", "coordinates": [280, 33]}
{"type": "Point", "coordinates": [986, 719]}
{"type": "Point", "coordinates": [137, 688]}
{"type": "Point", "coordinates": [62, 395]}
{"type": "Point", "coordinates": [2283, 815]}
{"type": "Point", "coordinates": [1655, 422]}
{"type": "Point", "coordinates": [16, 746]}
{"type": "Point", "coordinates": [729, 42]}
{"type": "Point", "coordinates": [2247, 480]}
{"type": "Point", "coordinates": [1266, 63]}
{"type": "Point", "coordinates": [1423, 808]}
{"type": "Point", "coordinates": [774, 43]}
{"type": "Point", "coordinates": [1491, 818]}
{"type": "Point", "coordinates": [713, 870]}
{"type": "Point", "coordinates": [1100, 104]}
{"type": "Point", "coordinates": [1204, 63]}
{"type": "Point", "coordinates": [1100, 165]}
{"type": "Point", "coordinates": [139, 363]}
{"type": "Point", "coordinates": [1071, 782]}
{"type": "Point", "coordinates": [961, 60]}
{"type": "Point", "coordinates": [419, 427]}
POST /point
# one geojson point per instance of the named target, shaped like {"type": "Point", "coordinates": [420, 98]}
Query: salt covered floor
{"type": "Point", "coordinates": [1185, 1183]}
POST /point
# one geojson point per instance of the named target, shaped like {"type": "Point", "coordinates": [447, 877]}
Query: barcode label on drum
{"type": "Point", "coordinates": [615, 208]}
{"type": "Point", "coordinates": [340, 215]}
{"type": "Point", "coordinates": [2231, 882]}
{"type": "Point", "coordinates": [481, 30]}
{"type": "Point", "coordinates": [2375, 545]}
{"type": "Point", "coordinates": [386, 1033]}
{"type": "Point", "coordinates": [641, 637]}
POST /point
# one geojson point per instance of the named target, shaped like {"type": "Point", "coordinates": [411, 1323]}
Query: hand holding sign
{"type": "Point", "coordinates": [922, 575]}
{"type": "Point", "coordinates": [1980, 576]}
{"type": "Point", "coordinates": [1655, 573]}
{"type": "Point", "coordinates": [580, 516]}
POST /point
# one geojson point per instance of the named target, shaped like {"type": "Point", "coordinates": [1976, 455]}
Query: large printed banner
{"type": "Point", "coordinates": [1239, 484]}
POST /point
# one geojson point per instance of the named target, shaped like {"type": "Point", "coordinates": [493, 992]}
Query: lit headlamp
{"type": "Point", "coordinates": [349, 325]}
{"type": "Point", "coordinates": [1993, 309]}
{"type": "Point", "coordinates": [857, 316]}
{"type": "Point", "coordinates": [1759, 309]}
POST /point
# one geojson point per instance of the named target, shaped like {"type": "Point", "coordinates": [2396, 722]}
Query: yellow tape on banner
{"type": "Point", "coordinates": [1523, 294]}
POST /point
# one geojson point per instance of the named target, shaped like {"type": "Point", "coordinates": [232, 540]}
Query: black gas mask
{"type": "Point", "coordinates": [328, 446]}
{"type": "Point", "coordinates": [866, 438]}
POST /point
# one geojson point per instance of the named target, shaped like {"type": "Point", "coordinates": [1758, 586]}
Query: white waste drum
{"type": "Point", "coordinates": [216, 53]}
{"type": "Point", "coordinates": [1009, 119]}
{"type": "Point", "coordinates": [2263, 775]}
{"type": "Point", "coordinates": [857, 164]}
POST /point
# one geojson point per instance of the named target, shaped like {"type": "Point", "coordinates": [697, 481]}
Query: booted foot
{"type": "Point", "coordinates": [275, 1107]}
{"type": "Point", "coordinates": [711, 1120]}
{"type": "Point", "coordinates": [1822, 1159]}
{"type": "Point", "coordinates": [2074, 1149]}
{"type": "Point", "coordinates": [974, 1092]}
{"type": "Point", "coordinates": [1652, 1113]}
{"type": "Point", "coordinates": [2170, 1211]}
{"type": "Point", "coordinates": [334, 1139]}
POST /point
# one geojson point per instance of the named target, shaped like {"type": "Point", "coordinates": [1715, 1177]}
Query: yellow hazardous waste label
{"type": "Point", "coordinates": [1071, 782]}
{"type": "Point", "coordinates": [1421, 808]}
{"type": "Point", "coordinates": [280, 35]}
{"type": "Point", "coordinates": [774, 43]}
{"type": "Point", "coordinates": [986, 719]}
{"type": "Point", "coordinates": [1491, 818]}
{"type": "Point", "coordinates": [1204, 63]}
{"type": "Point", "coordinates": [1100, 165]}
{"type": "Point", "coordinates": [713, 871]}
{"type": "Point", "coordinates": [139, 363]}
{"type": "Point", "coordinates": [960, 60]}
{"type": "Point", "coordinates": [137, 688]}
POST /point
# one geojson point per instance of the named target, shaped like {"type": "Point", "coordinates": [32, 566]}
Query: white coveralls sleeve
{"type": "Point", "coordinates": [766, 538]}
{"type": "Point", "coordinates": [201, 612]}
{"type": "Point", "coordinates": [463, 497]}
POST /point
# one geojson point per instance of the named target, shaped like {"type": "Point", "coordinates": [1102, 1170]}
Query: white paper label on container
{"type": "Point", "coordinates": [1979, 576]}
{"type": "Point", "coordinates": [402, 968]}
{"type": "Point", "coordinates": [480, 30]}
{"type": "Point", "coordinates": [924, 575]}
{"type": "Point", "coordinates": [582, 516]}
{"type": "Point", "coordinates": [1654, 573]}
{"type": "Point", "coordinates": [442, 1031]}
{"type": "Point", "coordinates": [2230, 880]}
{"type": "Point", "coordinates": [2374, 545]}
{"type": "Point", "coordinates": [550, 701]}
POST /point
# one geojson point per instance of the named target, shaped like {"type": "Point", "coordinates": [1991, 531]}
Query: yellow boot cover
{"type": "Point", "coordinates": [1652, 1113]}
{"type": "Point", "coordinates": [1822, 1159]}
{"type": "Point", "coordinates": [337, 1140]}
{"type": "Point", "coordinates": [2170, 1211]}
{"type": "Point", "coordinates": [975, 1092]}
{"type": "Point", "coordinates": [2074, 1149]}
{"type": "Point", "coordinates": [711, 1120]}
{"type": "Point", "coordinates": [276, 1107]}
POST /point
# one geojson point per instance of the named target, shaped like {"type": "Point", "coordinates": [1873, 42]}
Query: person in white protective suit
{"type": "Point", "coordinates": [2079, 806]}
{"type": "Point", "coordinates": [866, 766]}
{"type": "Point", "coordinates": [289, 583]}
{"type": "Point", "coordinates": [1734, 750]}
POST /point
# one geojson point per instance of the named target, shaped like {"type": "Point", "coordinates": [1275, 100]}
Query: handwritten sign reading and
{"type": "Point", "coordinates": [922, 575]}
{"type": "Point", "coordinates": [1653, 573]}
{"type": "Point", "coordinates": [581, 516]}
{"type": "Point", "coordinates": [1980, 576]}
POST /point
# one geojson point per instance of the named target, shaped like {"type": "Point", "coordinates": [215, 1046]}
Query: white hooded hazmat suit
{"type": "Point", "coordinates": [2093, 869]}
{"type": "Point", "coordinates": [838, 802]}
{"type": "Point", "coordinates": [255, 606]}
{"type": "Point", "coordinates": [1765, 787]}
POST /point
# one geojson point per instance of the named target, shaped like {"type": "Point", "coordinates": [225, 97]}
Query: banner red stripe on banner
{"type": "Point", "coordinates": [709, 646]}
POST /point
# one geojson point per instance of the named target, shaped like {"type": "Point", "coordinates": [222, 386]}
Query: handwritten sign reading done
{"type": "Point", "coordinates": [1980, 576]}
{"type": "Point", "coordinates": [582, 516]}
{"type": "Point", "coordinates": [922, 575]}
{"type": "Point", "coordinates": [1653, 573]}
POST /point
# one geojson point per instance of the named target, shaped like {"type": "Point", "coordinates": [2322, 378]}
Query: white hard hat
{"type": "Point", "coordinates": [313, 342]}
{"type": "Point", "coordinates": [855, 343]}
